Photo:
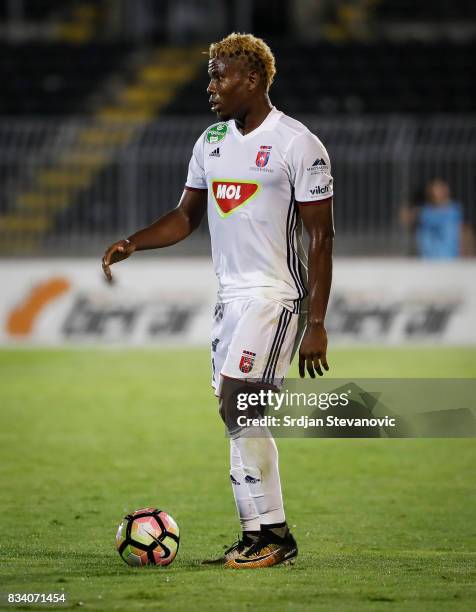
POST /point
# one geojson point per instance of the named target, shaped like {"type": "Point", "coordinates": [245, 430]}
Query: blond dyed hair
{"type": "Point", "coordinates": [253, 50]}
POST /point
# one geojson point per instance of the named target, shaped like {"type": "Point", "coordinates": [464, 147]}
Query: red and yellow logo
{"type": "Point", "coordinates": [230, 195]}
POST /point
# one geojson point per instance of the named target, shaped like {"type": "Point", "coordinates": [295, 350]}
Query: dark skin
{"type": "Point", "coordinates": [239, 93]}
{"type": "Point", "coordinates": [318, 221]}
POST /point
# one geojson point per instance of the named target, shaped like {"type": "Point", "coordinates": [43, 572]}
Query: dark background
{"type": "Point", "coordinates": [101, 102]}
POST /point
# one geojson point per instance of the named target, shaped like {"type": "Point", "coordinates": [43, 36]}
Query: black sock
{"type": "Point", "coordinates": [250, 537]}
{"type": "Point", "coordinates": [280, 530]}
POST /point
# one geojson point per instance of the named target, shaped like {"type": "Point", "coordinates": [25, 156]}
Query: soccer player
{"type": "Point", "coordinates": [260, 175]}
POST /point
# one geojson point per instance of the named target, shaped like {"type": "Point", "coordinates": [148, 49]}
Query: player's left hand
{"type": "Point", "coordinates": [312, 352]}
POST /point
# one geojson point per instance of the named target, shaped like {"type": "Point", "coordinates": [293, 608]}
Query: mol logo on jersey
{"type": "Point", "coordinates": [230, 195]}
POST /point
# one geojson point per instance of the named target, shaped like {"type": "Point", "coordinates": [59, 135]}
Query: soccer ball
{"type": "Point", "coordinates": [148, 537]}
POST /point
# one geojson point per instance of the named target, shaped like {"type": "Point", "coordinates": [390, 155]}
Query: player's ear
{"type": "Point", "coordinates": [254, 79]}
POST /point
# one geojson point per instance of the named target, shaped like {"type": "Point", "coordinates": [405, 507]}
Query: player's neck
{"type": "Point", "coordinates": [254, 116]}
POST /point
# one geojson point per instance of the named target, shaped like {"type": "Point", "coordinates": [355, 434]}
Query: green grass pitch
{"type": "Point", "coordinates": [89, 435]}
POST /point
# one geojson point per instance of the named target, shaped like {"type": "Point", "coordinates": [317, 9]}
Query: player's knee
{"type": "Point", "coordinates": [221, 409]}
{"type": "Point", "coordinates": [228, 402]}
{"type": "Point", "coordinates": [235, 405]}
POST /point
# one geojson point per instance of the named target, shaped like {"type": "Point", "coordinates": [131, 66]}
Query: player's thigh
{"type": "Point", "coordinates": [262, 343]}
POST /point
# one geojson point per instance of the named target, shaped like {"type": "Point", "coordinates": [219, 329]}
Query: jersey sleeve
{"type": "Point", "coordinates": [310, 169]}
{"type": "Point", "coordinates": [196, 174]}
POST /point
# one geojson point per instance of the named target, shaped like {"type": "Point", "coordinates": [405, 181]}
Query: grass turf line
{"type": "Point", "coordinates": [87, 436]}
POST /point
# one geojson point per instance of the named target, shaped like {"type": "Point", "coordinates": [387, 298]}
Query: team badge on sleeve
{"type": "Point", "coordinates": [217, 133]}
{"type": "Point", "coordinates": [247, 361]}
{"type": "Point", "coordinates": [262, 157]}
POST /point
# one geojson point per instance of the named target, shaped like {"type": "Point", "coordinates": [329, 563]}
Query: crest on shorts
{"type": "Point", "coordinates": [246, 362]}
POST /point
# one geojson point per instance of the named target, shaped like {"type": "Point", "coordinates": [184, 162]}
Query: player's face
{"type": "Point", "coordinates": [228, 88]}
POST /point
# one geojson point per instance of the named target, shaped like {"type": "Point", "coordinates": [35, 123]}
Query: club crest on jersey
{"type": "Point", "coordinates": [262, 157]}
{"type": "Point", "coordinates": [247, 361]}
{"type": "Point", "coordinates": [230, 195]}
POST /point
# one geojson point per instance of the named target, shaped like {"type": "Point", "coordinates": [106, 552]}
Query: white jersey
{"type": "Point", "coordinates": [253, 183]}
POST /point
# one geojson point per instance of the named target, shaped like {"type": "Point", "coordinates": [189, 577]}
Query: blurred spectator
{"type": "Point", "coordinates": [332, 19]}
{"type": "Point", "coordinates": [440, 230]}
{"type": "Point", "coordinates": [308, 18]}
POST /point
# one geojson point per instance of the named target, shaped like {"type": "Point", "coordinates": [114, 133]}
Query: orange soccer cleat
{"type": "Point", "coordinates": [268, 550]}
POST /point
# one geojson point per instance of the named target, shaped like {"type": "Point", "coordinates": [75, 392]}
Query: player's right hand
{"type": "Point", "coordinates": [116, 252]}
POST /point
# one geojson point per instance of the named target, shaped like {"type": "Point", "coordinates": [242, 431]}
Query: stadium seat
{"type": "Point", "coordinates": [53, 79]}
{"type": "Point", "coordinates": [376, 77]}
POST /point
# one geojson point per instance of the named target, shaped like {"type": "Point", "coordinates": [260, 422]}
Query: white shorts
{"type": "Point", "coordinates": [253, 339]}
